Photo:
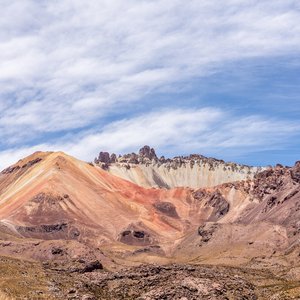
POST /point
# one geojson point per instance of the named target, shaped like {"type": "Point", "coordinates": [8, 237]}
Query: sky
{"type": "Point", "coordinates": [222, 80]}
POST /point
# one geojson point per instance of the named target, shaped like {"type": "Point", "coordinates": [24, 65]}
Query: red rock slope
{"type": "Point", "coordinates": [55, 196]}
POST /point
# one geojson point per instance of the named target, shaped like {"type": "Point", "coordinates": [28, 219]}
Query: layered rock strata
{"type": "Point", "coordinates": [194, 171]}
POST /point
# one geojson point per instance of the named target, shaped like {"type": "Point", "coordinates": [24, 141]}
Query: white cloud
{"type": "Point", "coordinates": [178, 131]}
{"type": "Point", "coordinates": [59, 56]}
{"type": "Point", "coordinates": [66, 65]}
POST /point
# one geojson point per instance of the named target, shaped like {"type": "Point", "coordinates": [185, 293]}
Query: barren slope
{"type": "Point", "coordinates": [54, 196]}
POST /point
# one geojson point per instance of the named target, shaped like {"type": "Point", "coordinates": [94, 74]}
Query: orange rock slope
{"type": "Point", "coordinates": [52, 196]}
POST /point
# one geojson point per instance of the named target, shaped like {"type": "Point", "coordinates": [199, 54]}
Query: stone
{"type": "Point", "coordinates": [92, 266]}
{"type": "Point", "coordinates": [104, 157]}
{"type": "Point", "coordinates": [147, 152]}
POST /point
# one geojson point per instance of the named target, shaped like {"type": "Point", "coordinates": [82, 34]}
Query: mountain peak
{"type": "Point", "coordinates": [145, 153]}
{"type": "Point", "coordinates": [50, 160]}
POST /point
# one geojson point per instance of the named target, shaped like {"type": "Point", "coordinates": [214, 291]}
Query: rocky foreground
{"type": "Point", "coordinates": [28, 280]}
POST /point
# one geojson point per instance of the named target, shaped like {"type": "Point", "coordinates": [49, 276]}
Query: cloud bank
{"type": "Point", "coordinates": [176, 131]}
{"type": "Point", "coordinates": [70, 69]}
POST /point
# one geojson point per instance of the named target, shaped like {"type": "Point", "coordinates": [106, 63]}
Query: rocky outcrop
{"type": "Point", "coordinates": [215, 200]}
{"type": "Point", "coordinates": [206, 231]}
{"type": "Point", "coordinates": [269, 181]}
{"type": "Point", "coordinates": [166, 208]}
{"type": "Point", "coordinates": [295, 172]}
{"type": "Point", "coordinates": [135, 237]}
{"type": "Point", "coordinates": [195, 171]}
{"type": "Point", "coordinates": [46, 231]}
{"type": "Point", "coordinates": [277, 192]}
{"type": "Point", "coordinates": [219, 204]}
{"type": "Point", "coordinates": [72, 265]}
{"type": "Point", "coordinates": [27, 165]}
{"type": "Point", "coordinates": [176, 282]}
{"type": "Point", "coordinates": [147, 152]}
{"type": "Point", "coordinates": [104, 157]}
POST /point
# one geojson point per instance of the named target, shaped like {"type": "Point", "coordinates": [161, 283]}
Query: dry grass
{"type": "Point", "coordinates": [4, 297]}
{"type": "Point", "coordinates": [21, 279]}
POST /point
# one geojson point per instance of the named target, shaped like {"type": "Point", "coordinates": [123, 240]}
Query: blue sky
{"type": "Point", "coordinates": [182, 76]}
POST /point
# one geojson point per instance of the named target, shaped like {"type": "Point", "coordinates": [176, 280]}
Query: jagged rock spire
{"type": "Point", "coordinates": [147, 152]}
{"type": "Point", "coordinates": [104, 157]}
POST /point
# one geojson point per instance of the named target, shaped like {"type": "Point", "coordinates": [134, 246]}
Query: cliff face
{"type": "Point", "coordinates": [194, 171]}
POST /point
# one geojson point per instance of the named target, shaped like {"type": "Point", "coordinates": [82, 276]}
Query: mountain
{"type": "Point", "coordinates": [194, 171]}
{"type": "Point", "coordinates": [65, 219]}
{"type": "Point", "coordinates": [54, 196]}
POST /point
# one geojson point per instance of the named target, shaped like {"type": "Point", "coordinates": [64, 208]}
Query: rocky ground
{"type": "Point", "coordinates": [28, 280]}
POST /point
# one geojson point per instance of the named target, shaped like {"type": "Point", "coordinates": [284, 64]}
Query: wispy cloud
{"type": "Point", "coordinates": [115, 51]}
{"type": "Point", "coordinates": [65, 65]}
{"type": "Point", "coordinates": [178, 131]}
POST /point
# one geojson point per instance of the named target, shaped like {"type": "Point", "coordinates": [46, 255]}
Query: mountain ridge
{"type": "Point", "coordinates": [194, 171]}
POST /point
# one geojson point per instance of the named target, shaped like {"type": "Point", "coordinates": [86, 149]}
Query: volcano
{"type": "Point", "coordinates": [89, 222]}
